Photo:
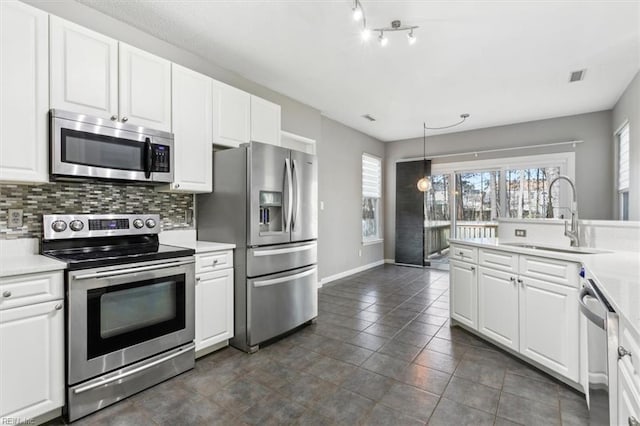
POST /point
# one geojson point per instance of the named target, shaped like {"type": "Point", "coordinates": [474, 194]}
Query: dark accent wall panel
{"type": "Point", "coordinates": [409, 214]}
{"type": "Point", "coordinates": [87, 198]}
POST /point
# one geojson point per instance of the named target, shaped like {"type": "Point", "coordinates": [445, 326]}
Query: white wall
{"type": "Point", "coordinates": [628, 108]}
{"type": "Point", "coordinates": [340, 189]}
{"type": "Point", "coordinates": [594, 160]}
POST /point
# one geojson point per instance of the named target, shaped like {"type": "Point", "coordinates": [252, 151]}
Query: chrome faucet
{"type": "Point", "coordinates": [574, 233]}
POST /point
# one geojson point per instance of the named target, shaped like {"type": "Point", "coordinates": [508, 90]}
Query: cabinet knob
{"type": "Point", "coordinates": [473, 268]}
{"type": "Point", "coordinates": [177, 185]}
{"type": "Point", "coordinates": [520, 281]}
{"type": "Point", "coordinates": [461, 253]}
{"type": "Point", "coordinates": [633, 421]}
{"type": "Point", "coordinates": [114, 117]}
{"type": "Point", "coordinates": [125, 119]}
{"type": "Point", "coordinates": [198, 279]}
{"type": "Point", "coordinates": [215, 261]}
{"type": "Point", "coordinates": [58, 306]}
{"type": "Point", "coordinates": [512, 279]}
{"type": "Point", "coordinates": [6, 294]}
{"type": "Point", "coordinates": [622, 352]}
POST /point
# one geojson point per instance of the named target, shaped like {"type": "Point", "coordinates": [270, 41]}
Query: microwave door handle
{"type": "Point", "coordinates": [148, 157]}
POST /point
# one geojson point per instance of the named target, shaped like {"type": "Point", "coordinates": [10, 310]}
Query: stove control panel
{"type": "Point", "coordinates": [99, 225]}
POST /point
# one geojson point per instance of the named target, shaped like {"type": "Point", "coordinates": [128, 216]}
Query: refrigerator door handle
{"type": "Point", "coordinates": [296, 194]}
{"type": "Point", "coordinates": [287, 221]}
{"type": "Point", "coordinates": [285, 279]}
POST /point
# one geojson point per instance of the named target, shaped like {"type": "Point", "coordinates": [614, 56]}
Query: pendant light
{"type": "Point", "coordinates": [424, 183]}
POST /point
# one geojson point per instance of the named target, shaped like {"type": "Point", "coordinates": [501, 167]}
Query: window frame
{"type": "Point", "coordinates": [620, 192]}
{"type": "Point", "coordinates": [379, 207]}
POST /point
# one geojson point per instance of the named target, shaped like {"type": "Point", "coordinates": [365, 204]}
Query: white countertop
{"type": "Point", "coordinates": [18, 257]}
{"type": "Point", "coordinates": [617, 273]}
{"type": "Point", "coordinates": [208, 246]}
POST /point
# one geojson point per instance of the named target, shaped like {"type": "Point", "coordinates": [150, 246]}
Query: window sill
{"type": "Point", "coordinates": [372, 242]}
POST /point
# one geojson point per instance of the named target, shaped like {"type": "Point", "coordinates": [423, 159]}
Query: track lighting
{"type": "Point", "coordinates": [382, 39]}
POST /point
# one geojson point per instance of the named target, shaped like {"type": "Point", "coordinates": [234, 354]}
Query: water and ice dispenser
{"type": "Point", "coordinates": [271, 211]}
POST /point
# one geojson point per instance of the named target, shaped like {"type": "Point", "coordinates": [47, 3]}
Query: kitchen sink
{"type": "Point", "coordinates": [576, 250]}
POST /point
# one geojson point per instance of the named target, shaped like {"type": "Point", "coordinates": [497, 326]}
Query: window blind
{"type": "Point", "coordinates": [623, 158]}
{"type": "Point", "coordinates": [371, 176]}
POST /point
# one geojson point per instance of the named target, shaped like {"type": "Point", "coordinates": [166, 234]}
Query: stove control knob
{"type": "Point", "coordinates": [138, 223]}
{"type": "Point", "coordinates": [59, 225]}
{"type": "Point", "coordinates": [76, 225]}
{"type": "Point", "coordinates": [151, 223]}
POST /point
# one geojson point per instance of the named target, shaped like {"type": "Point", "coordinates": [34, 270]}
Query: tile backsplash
{"type": "Point", "coordinates": [88, 197]}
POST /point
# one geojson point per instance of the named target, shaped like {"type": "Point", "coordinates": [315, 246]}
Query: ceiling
{"type": "Point", "coordinates": [502, 62]}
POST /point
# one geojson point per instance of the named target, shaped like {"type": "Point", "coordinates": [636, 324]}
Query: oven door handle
{"type": "Point", "coordinates": [131, 270]}
{"type": "Point", "coordinates": [132, 372]}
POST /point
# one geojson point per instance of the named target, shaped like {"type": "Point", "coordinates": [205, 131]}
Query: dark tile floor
{"type": "Point", "coordinates": [381, 353]}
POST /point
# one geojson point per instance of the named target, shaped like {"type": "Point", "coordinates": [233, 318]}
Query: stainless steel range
{"type": "Point", "coordinates": [130, 306]}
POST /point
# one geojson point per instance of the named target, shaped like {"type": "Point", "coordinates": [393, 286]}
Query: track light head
{"type": "Point", "coordinates": [365, 34]}
{"type": "Point", "coordinates": [411, 38]}
{"type": "Point", "coordinates": [382, 39]}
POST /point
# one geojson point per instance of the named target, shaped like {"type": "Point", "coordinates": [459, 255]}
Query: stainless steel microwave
{"type": "Point", "coordinates": [94, 148]}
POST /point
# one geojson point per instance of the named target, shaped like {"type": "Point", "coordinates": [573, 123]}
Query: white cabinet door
{"type": "Point", "coordinates": [464, 293]}
{"type": "Point", "coordinates": [231, 115]}
{"type": "Point", "coordinates": [84, 70]}
{"type": "Point", "coordinates": [498, 306]}
{"type": "Point", "coordinates": [549, 325]}
{"type": "Point", "coordinates": [214, 308]}
{"type": "Point", "coordinates": [628, 395]}
{"type": "Point", "coordinates": [265, 121]}
{"type": "Point", "coordinates": [193, 130]}
{"type": "Point", "coordinates": [32, 360]}
{"type": "Point", "coordinates": [24, 84]}
{"type": "Point", "coordinates": [145, 89]}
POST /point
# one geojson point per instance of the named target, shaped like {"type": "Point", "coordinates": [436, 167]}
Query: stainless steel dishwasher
{"type": "Point", "coordinates": [602, 344]}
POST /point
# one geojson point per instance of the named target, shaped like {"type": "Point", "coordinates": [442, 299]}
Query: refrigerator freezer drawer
{"type": "Point", "coordinates": [281, 302]}
{"type": "Point", "coordinates": [268, 260]}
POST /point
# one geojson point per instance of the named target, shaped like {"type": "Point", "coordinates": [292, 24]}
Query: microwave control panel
{"type": "Point", "coordinates": [162, 156]}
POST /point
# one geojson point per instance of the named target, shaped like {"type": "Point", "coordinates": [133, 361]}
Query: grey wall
{"type": "Point", "coordinates": [628, 108]}
{"type": "Point", "coordinates": [296, 117]}
{"type": "Point", "coordinates": [594, 161]}
{"type": "Point", "coordinates": [340, 189]}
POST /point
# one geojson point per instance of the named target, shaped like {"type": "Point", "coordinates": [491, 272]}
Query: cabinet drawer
{"type": "Point", "coordinates": [497, 259]}
{"type": "Point", "coordinates": [628, 394]}
{"type": "Point", "coordinates": [550, 270]}
{"type": "Point", "coordinates": [465, 253]}
{"type": "Point", "coordinates": [630, 341]}
{"type": "Point", "coordinates": [22, 290]}
{"type": "Point", "coordinates": [208, 262]}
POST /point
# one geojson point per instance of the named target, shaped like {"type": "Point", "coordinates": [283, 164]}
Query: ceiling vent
{"type": "Point", "coordinates": [369, 117]}
{"type": "Point", "coordinates": [577, 76]}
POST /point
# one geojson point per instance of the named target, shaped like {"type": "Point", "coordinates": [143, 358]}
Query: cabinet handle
{"type": "Point", "coordinates": [622, 352]}
{"type": "Point", "coordinates": [177, 185]}
{"type": "Point", "coordinates": [114, 117]}
{"type": "Point", "coordinates": [633, 421]}
{"type": "Point", "coordinates": [198, 279]}
{"type": "Point", "coordinates": [6, 294]}
{"type": "Point", "coordinates": [58, 306]}
{"type": "Point", "coordinates": [461, 254]}
{"type": "Point", "coordinates": [512, 279]}
{"type": "Point", "coordinates": [473, 268]}
{"type": "Point", "coordinates": [215, 261]}
{"type": "Point", "coordinates": [125, 119]}
{"type": "Point", "coordinates": [520, 281]}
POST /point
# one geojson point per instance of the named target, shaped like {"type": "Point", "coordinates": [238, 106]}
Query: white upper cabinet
{"type": "Point", "coordinates": [192, 106]}
{"type": "Point", "coordinates": [231, 115]}
{"type": "Point", "coordinates": [265, 121]}
{"type": "Point", "coordinates": [145, 89]}
{"type": "Point", "coordinates": [84, 70]}
{"type": "Point", "coordinates": [24, 84]}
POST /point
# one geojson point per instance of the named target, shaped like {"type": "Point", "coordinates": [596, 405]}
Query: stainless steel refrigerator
{"type": "Point", "coordinates": [264, 200]}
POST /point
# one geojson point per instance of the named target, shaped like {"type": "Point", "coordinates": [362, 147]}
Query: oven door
{"type": "Point", "coordinates": [83, 149]}
{"type": "Point", "coordinates": [123, 314]}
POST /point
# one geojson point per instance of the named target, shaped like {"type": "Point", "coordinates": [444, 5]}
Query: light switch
{"type": "Point", "coordinates": [521, 232]}
{"type": "Point", "coordinates": [15, 218]}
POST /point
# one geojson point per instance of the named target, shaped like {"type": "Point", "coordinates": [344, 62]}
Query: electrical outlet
{"type": "Point", "coordinates": [521, 232]}
{"type": "Point", "coordinates": [15, 218]}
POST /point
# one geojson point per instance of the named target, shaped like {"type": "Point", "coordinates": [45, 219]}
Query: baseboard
{"type": "Point", "coordinates": [343, 274]}
{"type": "Point", "coordinates": [389, 261]}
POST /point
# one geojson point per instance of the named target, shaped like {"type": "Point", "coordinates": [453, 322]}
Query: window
{"type": "Point", "coordinates": [371, 198]}
{"type": "Point", "coordinates": [622, 137]}
{"type": "Point", "coordinates": [527, 194]}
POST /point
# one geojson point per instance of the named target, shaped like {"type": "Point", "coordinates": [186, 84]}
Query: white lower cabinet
{"type": "Point", "coordinates": [498, 306]}
{"type": "Point", "coordinates": [32, 360]}
{"type": "Point", "coordinates": [549, 326]}
{"type": "Point", "coordinates": [214, 301]}
{"type": "Point", "coordinates": [464, 293]}
{"type": "Point", "coordinates": [628, 395]}
{"type": "Point", "coordinates": [539, 319]}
